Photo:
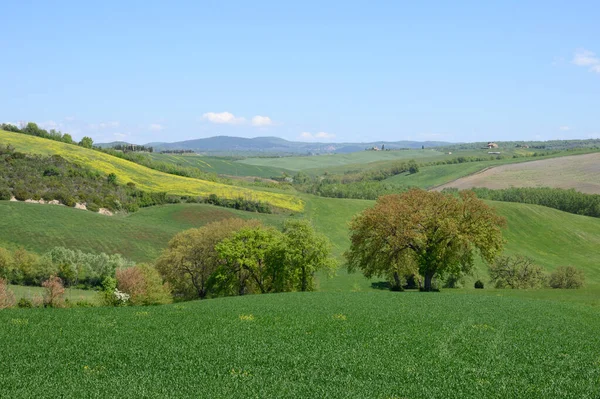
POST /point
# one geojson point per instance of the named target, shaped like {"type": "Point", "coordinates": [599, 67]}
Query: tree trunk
{"type": "Point", "coordinates": [304, 279]}
{"type": "Point", "coordinates": [397, 284]}
{"type": "Point", "coordinates": [428, 280]}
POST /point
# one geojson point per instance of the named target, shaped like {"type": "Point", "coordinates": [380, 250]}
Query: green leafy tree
{"type": "Point", "coordinates": [433, 233]}
{"type": "Point", "coordinates": [191, 258]}
{"type": "Point", "coordinates": [516, 272]}
{"type": "Point", "coordinates": [86, 142]}
{"type": "Point", "coordinates": [567, 277]}
{"type": "Point", "coordinates": [252, 261]}
{"type": "Point", "coordinates": [306, 252]}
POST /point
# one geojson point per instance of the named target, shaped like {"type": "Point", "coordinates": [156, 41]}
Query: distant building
{"type": "Point", "coordinates": [492, 145]}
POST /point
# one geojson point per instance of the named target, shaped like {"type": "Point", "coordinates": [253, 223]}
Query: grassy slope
{"type": "Point", "coordinates": [325, 161]}
{"type": "Point", "coordinates": [551, 237]}
{"type": "Point", "coordinates": [219, 165]}
{"type": "Point", "coordinates": [143, 177]}
{"type": "Point", "coordinates": [313, 345]}
{"type": "Point", "coordinates": [433, 176]}
{"type": "Point", "coordinates": [139, 236]}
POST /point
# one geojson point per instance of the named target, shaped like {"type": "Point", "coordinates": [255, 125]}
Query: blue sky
{"type": "Point", "coordinates": [145, 71]}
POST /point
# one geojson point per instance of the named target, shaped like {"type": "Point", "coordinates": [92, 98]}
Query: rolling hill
{"type": "Point", "coordinates": [228, 144]}
{"type": "Point", "coordinates": [143, 177]}
{"type": "Point", "coordinates": [581, 172]}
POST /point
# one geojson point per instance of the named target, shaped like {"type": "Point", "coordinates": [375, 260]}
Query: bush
{"type": "Point", "coordinates": [7, 297]}
{"type": "Point", "coordinates": [566, 277]}
{"type": "Point", "coordinates": [516, 272]}
{"type": "Point", "coordinates": [5, 194]}
{"type": "Point", "coordinates": [25, 303]}
{"type": "Point", "coordinates": [144, 285]}
{"type": "Point", "coordinates": [54, 293]}
{"type": "Point", "coordinates": [479, 284]}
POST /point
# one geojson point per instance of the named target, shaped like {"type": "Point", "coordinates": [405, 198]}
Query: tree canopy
{"type": "Point", "coordinates": [428, 233]}
{"type": "Point", "coordinates": [190, 258]}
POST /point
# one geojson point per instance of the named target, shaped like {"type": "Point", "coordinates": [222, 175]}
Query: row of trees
{"type": "Point", "coordinates": [74, 267]}
{"type": "Point", "coordinates": [571, 201]}
{"type": "Point", "coordinates": [238, 257]}
{"type": "Point", "coordinates": [132, 148]}
{"type": "Point", "coordinates": [32, 129]}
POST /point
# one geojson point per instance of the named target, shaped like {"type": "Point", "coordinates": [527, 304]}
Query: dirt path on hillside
{"type": "Point", "coordinates": [581, 172]}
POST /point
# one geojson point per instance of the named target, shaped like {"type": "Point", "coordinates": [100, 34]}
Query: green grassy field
{"type": "Point", "coordinates": [311, 345]}
{"type": "Point", "coordinates": [581, 173]}
{"type": "Point", "coordinates": [144, 178]}
{"type": "Point", "coordinates": [438, 175]}
{"type": "Point", "coordinates": [139, 236]}
{"type": "Point", "coordinates": [72, 294]}
{"type": "Point", "coordinates": [326, 161]}
{"type": "Point", "coordinates": [219, 165]}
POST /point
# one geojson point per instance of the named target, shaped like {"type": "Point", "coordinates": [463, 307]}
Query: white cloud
{"type": "Point", "coordinates": [104, 125]}
{"type": "Point", "coordinates": [50, 125]}
{"type": "Point", "coordinates": [261, 121]}
{"type": "Point", "coordinates": [156, 127]}
{"type": "Point", "coordinates": [120, 135]}
{"type": "Point", "coordinates": [565, 128]}
{"type": "Point", "coordinates": [223, 118]}
{"type": "Point", "coordinates": [586, 58]}
{"type": "Point", "coordinates": [319, 135]}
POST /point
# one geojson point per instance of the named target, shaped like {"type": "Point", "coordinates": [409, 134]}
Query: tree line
{"type": "Point", "coordinates": [570, 200]}
{"type": "Point", "coordinates": [32, 129]}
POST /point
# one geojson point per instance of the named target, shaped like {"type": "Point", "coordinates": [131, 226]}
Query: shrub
{"type": "Point", "coordinates": [566, 277]}
{"type": "Point", "coordinates": [54, 293]}
{"type": "Point", "coordinates": [111, 296]}
{"type": "Point", "coordinates": [7, 297]}
{"type": "Point", "coordinates": [4, 194]}
{"type": "Point", "coordinates": [479, 284]}
{"type": "Point", "coordinates": [25, 303]}
{"type": "Point", "coordinates": [144, 285]}
{"type": "Point", "coordinates": [516, 272]}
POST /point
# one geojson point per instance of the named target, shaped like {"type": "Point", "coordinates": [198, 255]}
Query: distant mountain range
{"type": "Point", "coordinates": [228, 144]}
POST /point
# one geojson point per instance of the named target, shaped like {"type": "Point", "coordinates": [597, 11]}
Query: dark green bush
{"type": "Point", "coordinates": [24, 303]}
{"type": "Point", "coordinates": [479, 284]}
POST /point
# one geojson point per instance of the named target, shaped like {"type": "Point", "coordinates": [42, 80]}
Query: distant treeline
{"type": "Point", "coordinates": [564, 200]}
{"type": "Point", "coordinates": [560, 145]}
{"type": "Point", "coordinates": [180, 152]}
{"type": "Point", "coordinates": [132, 148]}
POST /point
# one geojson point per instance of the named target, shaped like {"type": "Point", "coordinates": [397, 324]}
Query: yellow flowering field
{"type": "Point", "coordinates": [143, 177]}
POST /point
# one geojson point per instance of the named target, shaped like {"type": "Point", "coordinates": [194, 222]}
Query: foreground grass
{"type": "Point", "coordinates": [143, 177]}
{"type": "Point", "coordinates": [334, 345]}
